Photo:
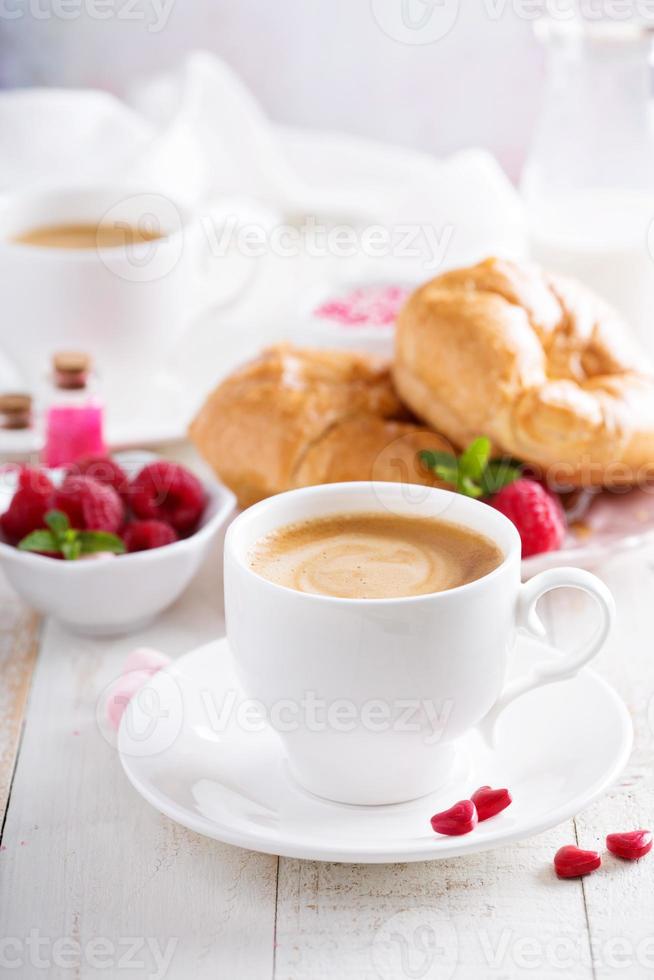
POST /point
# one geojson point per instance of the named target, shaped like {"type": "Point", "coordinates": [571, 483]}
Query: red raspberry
{"type": "Point", "coordinates": [167, 492]}
{"type": "Point", "coordinates": [90, 505]}
{"type": "Point", "coordinates": [144, 535]}
{"type": "Point", "coordinates": [29, 505]}
{"type": "Point", "coordinates": [105, 470]}
{"type": "Point", "coordinates": [536, 513]}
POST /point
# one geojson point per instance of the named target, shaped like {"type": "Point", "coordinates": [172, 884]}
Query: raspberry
{"type": "Point", "coordinates": [536, 513]}
{"type": "Point", "coordinates": [90, 505]}
{"type": "Point", "coordinates": [144, 535]}
{"type": "Point", "coordinates": [167, 492]}
{"type": "Point", "coordinates": [105, 470]}
{"type": "Point", "coordinates": [29, 505]}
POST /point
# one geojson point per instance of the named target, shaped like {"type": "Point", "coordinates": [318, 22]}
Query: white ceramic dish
{"type": "Point", "coordinates": [558, 749]}
{"type": "Point", "coordinates": [117, 594]}
{"type": "Point", "coordinates": [372, 329]}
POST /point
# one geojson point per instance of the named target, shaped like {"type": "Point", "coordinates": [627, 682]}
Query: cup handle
{"type": "Point", "coordinates": [527, 619]}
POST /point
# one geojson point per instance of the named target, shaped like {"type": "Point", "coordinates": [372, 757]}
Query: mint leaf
{"type": "Point", "coordinates": [499, 473]}
{"type": "Point", "coordinates": [475, 458]}
{"type": "Point", "coordinates": [473, 473]}
{"type": "Point", "coordinates": [468, 487]}
{"type": "Point", "coordinates": [444, 465]}
{"type": "Point", "coordinates": [65, 540]}
{"type": "Point", "coordinates": [57, 521]}
{"type": "Point", "coordinates": [450, 474]}
{"type": "Point", "coordinates": [92, 542]}
{"type": "Point", "coordinates": [434, 458]}
{"type": "Point", "coordinates": [39, 541]}
{"type": "Point", "coordinates": [70, 547]}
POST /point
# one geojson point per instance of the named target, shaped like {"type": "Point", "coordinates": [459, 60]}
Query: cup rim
{"type": "Point", "coordinates": [511, 554]}
{"type": "Point", "coordinates": [27, 194]}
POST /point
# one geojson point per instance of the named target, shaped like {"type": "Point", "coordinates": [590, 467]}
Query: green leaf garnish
{"type": "Point", "coordinates": [94, 541]}
{"type": "Point", "coordinates": [57, 521]}
{"type": "Point", "coordinates": [499, 473]}
{"type": "Point", "coordinates": [473, 473]}
{"type": "Point", "coordinates": [474, 459]}
{"type": "Point", "coordinates": [64, 540]}
{"type": "Point", "coordinates": [39, 541]}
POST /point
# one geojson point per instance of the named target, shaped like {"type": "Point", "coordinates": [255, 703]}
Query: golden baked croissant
{"type": "Point", "coordinates": [537, 363]}
{"type": "Point", "coordinates": [294, 417]}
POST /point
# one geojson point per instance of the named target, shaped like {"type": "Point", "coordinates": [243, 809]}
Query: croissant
{"type": "Point", "coordinates": [537, 363]}
{"type": "Point", "coordinates": [294, 417]}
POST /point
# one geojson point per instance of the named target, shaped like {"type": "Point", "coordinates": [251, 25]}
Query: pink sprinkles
{"type": "Point", "coordinates": [367, 306]}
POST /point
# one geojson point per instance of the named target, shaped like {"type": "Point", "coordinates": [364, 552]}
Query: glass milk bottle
{"type": "Point", "coordinates": [73, 412]}
{"type": "Point", "coordinates": [588, 183]}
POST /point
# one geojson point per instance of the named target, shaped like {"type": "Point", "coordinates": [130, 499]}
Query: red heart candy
{"type": "Point", "coordinates": [573, 862]}
{"type": "Point", "coordinates": [631, 845]}
{"type": "Point", "coordinates": [459, 819]}
{"type": "Point", "coordinates": [490, 801]}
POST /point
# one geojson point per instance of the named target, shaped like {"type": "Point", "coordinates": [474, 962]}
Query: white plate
{"type": "Point", "coordinates": [611, 524]}
{"type": "Point", "coordinates": [205, 767]}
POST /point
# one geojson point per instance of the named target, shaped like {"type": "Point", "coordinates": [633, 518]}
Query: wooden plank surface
{"type": "Point", "coordinates": [18, 649]}
{"type": "Point", "coordinates": [620, 897]}
{"type": "Point", "coordinates": [474, 917]}
{"type": "Point", "coordinates": [87, 860]}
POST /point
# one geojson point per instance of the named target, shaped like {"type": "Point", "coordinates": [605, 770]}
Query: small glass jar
{"type": "Point", "coordinates": [15, 411]}
{"type": "Point", "coordinates": [73, 411]}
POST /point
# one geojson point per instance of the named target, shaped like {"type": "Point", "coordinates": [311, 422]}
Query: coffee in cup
{"type": "Point", "coordinates": [374, 556]}
{"type": "Point", "coordinates": [86, 235]}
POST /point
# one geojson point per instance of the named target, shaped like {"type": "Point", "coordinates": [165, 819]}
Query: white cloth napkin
{"type": "Point", "coordinates": [200, 135]}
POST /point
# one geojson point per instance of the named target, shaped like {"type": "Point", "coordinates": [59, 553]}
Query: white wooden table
{"type": "Point", "coordinates": [93, 882]}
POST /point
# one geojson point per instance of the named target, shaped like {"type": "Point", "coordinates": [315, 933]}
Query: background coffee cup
{"type": "Point", "coordinates": [127, 305]}
{"type": "Point", "coordinates": [371, 695]}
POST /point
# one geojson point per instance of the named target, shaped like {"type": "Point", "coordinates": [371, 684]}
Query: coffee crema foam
{"type": "Point", "coordinates": [373, 556]}
{"type": "Point", "coordinates": [86, 236]}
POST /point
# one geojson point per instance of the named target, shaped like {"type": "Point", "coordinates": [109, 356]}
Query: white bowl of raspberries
{"type": "Point", "coordinates": [109, 543]}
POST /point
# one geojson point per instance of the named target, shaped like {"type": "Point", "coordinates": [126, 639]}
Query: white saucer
{"type": "Point", "coordinates": [558, 749]}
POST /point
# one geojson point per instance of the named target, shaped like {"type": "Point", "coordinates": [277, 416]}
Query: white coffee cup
{"type": "Point", "coordinates": [127, 305]}
{"type": "Point", "coordinates": [408, 676]}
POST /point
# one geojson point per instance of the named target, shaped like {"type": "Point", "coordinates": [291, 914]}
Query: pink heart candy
{"type": "Point", "coordinates": [145, 658]}
{"type": "Point", "coordinates": [139, 667]}
{"type": "Point", "coordinates": [490, 801]}
{"type": "Point", "coordinates": [631, 845]}
{"type": "Point", "coordinates": [573, 862]}
{"type": "Point", "coordinates": [121, 693]}
{"type": "Point", "coordinates": [459, 819]}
